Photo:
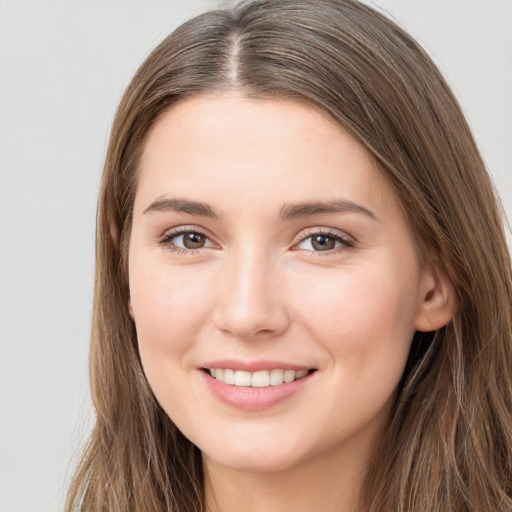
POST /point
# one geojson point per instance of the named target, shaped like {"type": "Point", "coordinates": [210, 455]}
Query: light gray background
{"type": "Point", "coordinates": [63, 67]}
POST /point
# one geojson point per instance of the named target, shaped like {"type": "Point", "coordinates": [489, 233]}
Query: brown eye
{"type": "Point", "coordinates": [323, 242]}
{"type": "Point", "coordinates": [192, 240]}
{"type": "Point", "coordinates": [185, 241]}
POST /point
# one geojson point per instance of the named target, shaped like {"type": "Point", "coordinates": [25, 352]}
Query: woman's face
{"type": "Point", "coordinates": [267, 245]}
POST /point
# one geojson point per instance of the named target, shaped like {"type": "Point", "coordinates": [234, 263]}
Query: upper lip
{"type": "Point", "coordinates": [254, 366]}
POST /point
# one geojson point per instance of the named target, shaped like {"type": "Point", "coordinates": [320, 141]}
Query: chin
{"type": "Point", "coordinates": [268, 456]}
{"type": "Point", "coordinates": [255, 462]}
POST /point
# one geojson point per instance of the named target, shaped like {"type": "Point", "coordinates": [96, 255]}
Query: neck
{"type": "Point", "coordinates": [331, 485]}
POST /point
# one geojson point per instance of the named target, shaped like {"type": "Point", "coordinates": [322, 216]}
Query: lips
{"type": "Point", "coordinates": [255, 386]}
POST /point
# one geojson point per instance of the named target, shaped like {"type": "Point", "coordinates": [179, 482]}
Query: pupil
{"type": "Point", "coordinates": [323, 243]}
{"type": "Point", "coordinates": [193, 240]}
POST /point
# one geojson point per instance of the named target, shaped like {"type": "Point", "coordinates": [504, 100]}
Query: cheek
{"type": "Point", "coordinates": [365, 320]}
{"type": "Point", "coordinates": [364, 323]}
{"type": "Point", "coordinates": [169, 305]}
{"type": "Point", "coordinates": [166, 299]}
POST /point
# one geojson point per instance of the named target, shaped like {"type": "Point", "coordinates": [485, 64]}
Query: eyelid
{"type": "Point", "coordinates": [348, 242]}
{"type": "Point", "coordinates": [167, 237]}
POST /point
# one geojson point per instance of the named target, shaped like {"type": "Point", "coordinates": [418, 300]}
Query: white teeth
{"type": "Point", "coordinates": [261, 379]}
{"type": "Point", "coordinates": [229, 376]}
{"type": "Point", "coordinates": [276, 377]}
{"type": "Point", "coordinates": [300, 373]}
{"type": "Point", "coordinates": [242, 378]}
{"type": "Point", "coordinates": [289, 375]}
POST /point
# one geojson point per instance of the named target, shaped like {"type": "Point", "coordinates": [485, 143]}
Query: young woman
{"type": "Point", "coordinates": [303, 295]}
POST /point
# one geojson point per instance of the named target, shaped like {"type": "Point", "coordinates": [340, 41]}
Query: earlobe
{"type": "Point", "coordinates": [130, 308]}
{"type": "Point", "coordinates": [436, 307]}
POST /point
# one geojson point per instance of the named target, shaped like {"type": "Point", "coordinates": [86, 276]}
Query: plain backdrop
{"type": "Point", "coordinates": [63, 67]}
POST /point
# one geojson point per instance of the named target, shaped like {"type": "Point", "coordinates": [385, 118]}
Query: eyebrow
{"type": "Point", "coordinates": [182, 206]}
{"type": "Point", "coordinates": [288, 212]}
{"type": "Point", "coordinates": [297, 211]}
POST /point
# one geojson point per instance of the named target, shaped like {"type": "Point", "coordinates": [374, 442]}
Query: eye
{"type": "Point", "coordinates": [325, 242]}
{"type": "Point", "coordinates": [186, 240]}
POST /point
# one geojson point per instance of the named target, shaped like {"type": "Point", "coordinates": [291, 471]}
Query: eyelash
{"type": "Point", "coordinates": [346, 243]}
{"type": "Point", "coordinates": [167, 240]}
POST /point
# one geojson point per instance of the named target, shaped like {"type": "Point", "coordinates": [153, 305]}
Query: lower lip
{"type": "Point", "coordinates": [254, 399]}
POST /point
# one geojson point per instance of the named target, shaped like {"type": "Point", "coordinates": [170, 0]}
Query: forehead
{"type": "Point", "coordinates": [229, 117]}
{"type": "Point", "coordinates": [226, 147]}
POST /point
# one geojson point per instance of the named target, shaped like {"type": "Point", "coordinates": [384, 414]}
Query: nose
{"type": "Point", "coordinates": [252, 298]}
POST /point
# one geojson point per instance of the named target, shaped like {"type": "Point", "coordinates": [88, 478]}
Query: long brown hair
{"type": "Point", "coordinates": [448, 446]}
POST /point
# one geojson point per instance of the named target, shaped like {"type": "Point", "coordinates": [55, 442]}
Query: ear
{"type": "Point", "coordinates": [436, 306]}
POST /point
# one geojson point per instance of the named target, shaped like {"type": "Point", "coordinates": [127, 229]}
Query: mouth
{"type": "Point", "coordinates": [258, 379]}
{"type": "Point", "coordinates": [256, 385]}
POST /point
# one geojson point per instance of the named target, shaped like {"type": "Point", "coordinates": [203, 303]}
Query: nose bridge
{"type": "Point", "coordinates": [251, 302]}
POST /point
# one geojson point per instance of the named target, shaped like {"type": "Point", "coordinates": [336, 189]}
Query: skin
{"type": "Point", "coordinates": [259, 289]}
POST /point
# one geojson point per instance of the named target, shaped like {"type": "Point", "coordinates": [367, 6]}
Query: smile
{"type": "Point", "coordinates": [259, 379]}
{"type": "Point", "coordinates": [255, 386]}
